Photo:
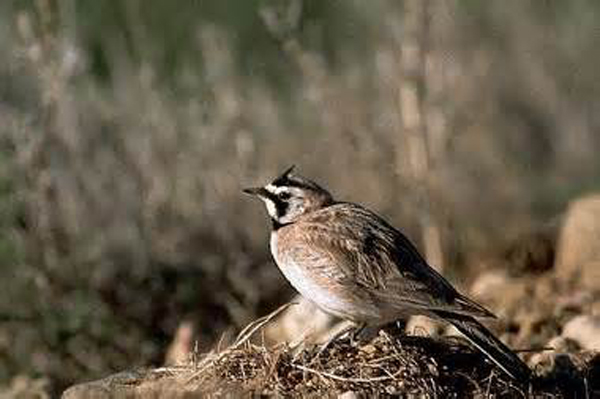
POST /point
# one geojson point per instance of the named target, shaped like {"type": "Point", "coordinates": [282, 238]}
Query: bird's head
{"type": "Point", "coordinates": [290, 196]}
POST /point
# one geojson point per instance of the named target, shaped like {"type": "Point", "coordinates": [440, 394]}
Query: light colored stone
{"type": "Point", "coordinates": [22, 386]}
{"type": "Point", "coordinates": [578, 251]}
{"type": "Point", "coordinates": [157, 383]}
{"type": "Point", "coordinates": [302, 321]}
{"type": "Point", "coordinates": [368, 348]}
{"type": "Point", "coordinates": [590, 274]}
{"type": "Point", "coordinates": [487, 285]}
{"type": "Point", "coordinates": [180, 349]}
{"type": "Point", "coordinates": [585, 330]}
{"type": "Point", "coordinates": [499, 292]}
{"type": "Point", "coordinates": [424, 326]}
{"type": "Point", "coordinates": [348, 395]}
{"type": "Point", "coordinates": [558, 351]}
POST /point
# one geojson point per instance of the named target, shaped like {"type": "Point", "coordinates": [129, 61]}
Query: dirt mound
{"type": "Point", "coordinates": [388, 365]}
{"type": "Point", "coordinates": [391, 364]}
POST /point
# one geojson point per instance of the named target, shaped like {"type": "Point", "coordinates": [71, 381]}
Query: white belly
{"type": "Point", "coordinates": [310, 288]}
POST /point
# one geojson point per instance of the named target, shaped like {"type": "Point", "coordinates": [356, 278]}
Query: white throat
{"type": "Point", "coordinates": [271, 208]}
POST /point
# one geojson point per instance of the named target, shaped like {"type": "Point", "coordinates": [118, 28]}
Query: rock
{"type": "Point", "coordinates": [590, 275]}
{"type": "Point", "coordinates": [525, 305]}
{"type": "Point", "coordinates": [578, 252]}
{"type": "Point", "coordinates": [180, 349]}
{"type": "Point", "coordinates": [487, 285]}
{"type": "Point", "coordinates": [498, 291]}
{"type": "Point", "coordinates": [564, 345]}
{"type": "Point", "coordinates": [22, 386]}
{"type": "Point", "coordinates": [424, 326]}
{"type": "Point", "coordinates": [585, 330]}
{"type": "Point", "coordinates": [547, 360]}
{"type": "Point", "coordinates": [369, 349]}
{"type": "Point", "coordinates": [532, 252]}
{"type": "Point", "coordinates": [348, 395]}
{"type": "Point", "coordinates": [303, 320]}
{"type": "Point", "coordinates": [594, 308]}
{"type": "Point", "coordinates": [157, 383]}
{"type": "Point", "coordinates": [576, 302]}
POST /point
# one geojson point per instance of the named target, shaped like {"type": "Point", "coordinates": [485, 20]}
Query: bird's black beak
{"type": "Point", "coordinates": [256, 191]}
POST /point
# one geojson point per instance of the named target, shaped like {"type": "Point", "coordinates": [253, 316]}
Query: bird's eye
{"type": "Point", "coordinates": [285, 195]}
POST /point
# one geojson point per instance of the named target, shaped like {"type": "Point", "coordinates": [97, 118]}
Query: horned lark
{"type": "Point", "coordinates": [355, 265]}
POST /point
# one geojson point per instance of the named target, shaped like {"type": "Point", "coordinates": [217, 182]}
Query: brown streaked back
{"type": "Point", "coordinates": [358, 253]}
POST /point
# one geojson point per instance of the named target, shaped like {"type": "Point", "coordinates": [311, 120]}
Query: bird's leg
{"type": "Point", "coordinates": [365, 334]}
{"type": "Point", "coordinates": [357, 334]}
{"type": "Point", "coordinates": [395, 328]}
{"type": "Point", "coordinates": [336, 336]}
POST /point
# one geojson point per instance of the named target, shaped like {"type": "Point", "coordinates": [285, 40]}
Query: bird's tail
{"type": "Point", "coordinates": [491, 346]}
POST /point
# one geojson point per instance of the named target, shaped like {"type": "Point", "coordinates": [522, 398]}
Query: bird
{"type": "Point", "coordinates": [353, 264]}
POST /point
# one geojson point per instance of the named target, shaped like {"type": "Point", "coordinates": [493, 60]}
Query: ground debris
{"type": "Point", "coordinates": [389, 365]}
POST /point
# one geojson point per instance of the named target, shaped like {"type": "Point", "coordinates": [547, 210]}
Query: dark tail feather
{"type": "Point", "coordinates": [491, 346]}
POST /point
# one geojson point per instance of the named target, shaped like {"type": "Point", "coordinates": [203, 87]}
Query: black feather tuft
{"type": "Point", "coordinates": [284, 178]}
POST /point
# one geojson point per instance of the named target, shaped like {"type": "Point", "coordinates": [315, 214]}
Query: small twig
{"type": "Point", "coordinates": [470, 379]}
{"type": "Point", "coordinates": [346, 379]}
{"type": "Point", "coordinates": [489, 385]}
{"type": "Point", "coordinates": [273, 366]}
{"type": "Point", "coordinates": [379, 367]}
{"type": "Point", "coordinates": [242, 338]}
{"type": "Point", "coordinates": [392, 345]}
{"type": "Point", "coordinates": [378, 361]}
{"type": "Point", "coordinates": [256, 325]}
{"type": "Point", "coordinates": [534, 349]}
{"type": "Point", "coordinates": [220, 342]}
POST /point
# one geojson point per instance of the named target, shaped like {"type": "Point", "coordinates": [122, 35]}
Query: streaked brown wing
{"type": "Point", "coordinates": [363, 251]}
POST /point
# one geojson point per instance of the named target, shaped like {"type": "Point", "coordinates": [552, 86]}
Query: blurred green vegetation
{"type": "Point", "coordinates": [129, 128]}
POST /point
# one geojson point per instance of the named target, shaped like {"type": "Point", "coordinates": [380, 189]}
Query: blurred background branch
{"type": "Point", "coordinates": [422, 143]}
